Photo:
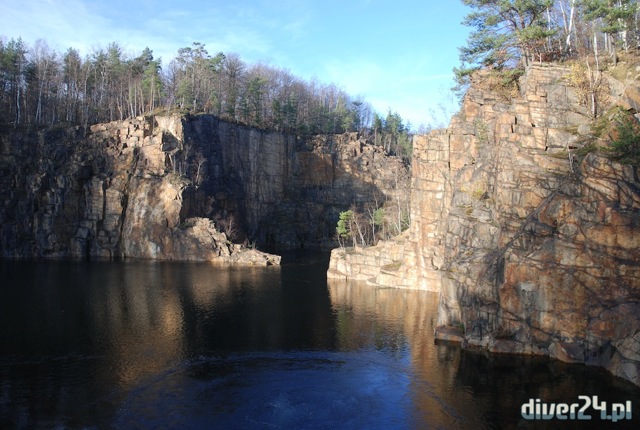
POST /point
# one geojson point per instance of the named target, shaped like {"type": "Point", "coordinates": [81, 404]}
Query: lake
{"type": "Point", "coordinates": [141, 344]}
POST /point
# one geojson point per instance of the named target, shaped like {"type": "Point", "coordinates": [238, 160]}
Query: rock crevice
{"type": "Point", "coordinates": [182, 187]}
{"type": "Point", "coordinates": [532, 249]}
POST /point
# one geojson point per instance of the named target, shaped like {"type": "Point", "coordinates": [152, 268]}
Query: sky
{"type": "Point", "coordinates": [396, 54]}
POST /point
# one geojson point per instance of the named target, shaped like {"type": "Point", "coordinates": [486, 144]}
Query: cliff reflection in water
{"type": "Point", "coordinates": [454, 387]}
{"type": "Point", "coordinates": [404, 320]}
{"type": "Point", "coordinates": [161, 314]}
{"type": "Point", "coordinates": [78, 337]}
{"type": "Point", "coordinates": [164, 345]}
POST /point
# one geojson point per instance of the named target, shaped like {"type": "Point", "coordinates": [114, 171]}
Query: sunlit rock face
{"type": "Point", "coordinates": [539, 251]}
{"type": "Point", "coordinates": [116, 191]}
{"type": "Point", "coordinates": [533, 249]}
{"type": "Point", "coordinates": [183, 188]}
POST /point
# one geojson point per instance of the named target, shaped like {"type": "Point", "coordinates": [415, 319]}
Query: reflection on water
{"type": "Point", "coordinates": [401, 321]}
{"type": "Point", "coordinates": [166, 345]}
{"type": "Point", "coordinates": [450, 387]}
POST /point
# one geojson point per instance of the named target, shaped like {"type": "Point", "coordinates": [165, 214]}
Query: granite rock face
{"type": "Point", "coordinates": [540, 249]}
{"type": "Point", "coordinates": [533, 249]}
{"type": "Point", "coordinates": [177, 187]}
{"type": "Point", "coordinates": [376, 265]}
{"type": "Point", "coordinates": [115, 192]}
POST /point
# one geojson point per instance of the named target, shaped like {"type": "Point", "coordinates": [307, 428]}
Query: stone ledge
{"type": "Point", "coordinates": [449, 333]}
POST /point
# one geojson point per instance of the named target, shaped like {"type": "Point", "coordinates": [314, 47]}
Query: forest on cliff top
{"type": "Point", "coordinates": [40, 87]}
{"type": "Point", "coordinates": [587, 36]}
{"type": "Point", "coordinates": [508, 35]}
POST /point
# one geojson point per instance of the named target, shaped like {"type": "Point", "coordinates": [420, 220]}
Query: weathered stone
{"type": "Point", "coordinates": [528, 256]}
{"type": "Point", "coordinates": [128, 188]}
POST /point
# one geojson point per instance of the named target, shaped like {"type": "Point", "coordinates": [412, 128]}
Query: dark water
{"type": "Point", "coordinates": [165, 345]}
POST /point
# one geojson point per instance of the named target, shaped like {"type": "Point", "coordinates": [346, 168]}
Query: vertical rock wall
{"type": "Point", "coordinates": [533, 249]}
{"type": "Point", "coordinates": [284, 192]}
{"type": "Point", "coordinates": [165, 187]}
{"type": "Point", "coordinates": [538, 251]}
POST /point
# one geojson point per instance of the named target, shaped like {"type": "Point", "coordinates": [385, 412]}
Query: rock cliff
{"type": "Point", "coordinates": [533, 246]}
{"type": "Point", "coordinates": [180, 188]}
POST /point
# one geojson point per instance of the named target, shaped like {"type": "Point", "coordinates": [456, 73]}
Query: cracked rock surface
{"type": "Point", "coordinates": [531, 250]}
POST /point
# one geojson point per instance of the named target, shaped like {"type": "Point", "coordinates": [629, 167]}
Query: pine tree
{"type": "Point", "coordinates": [506, 33]}
{"type": "Point", "coordinates": [615, 17]}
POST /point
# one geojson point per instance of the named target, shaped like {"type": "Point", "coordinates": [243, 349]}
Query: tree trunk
{"type": "Point", "coordinates": [569, 28]}
{"type": "Point", "coordinates": [612, 47]}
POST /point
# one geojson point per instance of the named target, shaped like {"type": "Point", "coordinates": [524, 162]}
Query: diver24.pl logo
{"type": "Point", "coordinates": [535, 409]}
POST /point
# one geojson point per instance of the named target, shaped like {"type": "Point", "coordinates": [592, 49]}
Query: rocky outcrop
{"type": "Point", "coordinates": [114, 193]}
{"type": "Point", "coordinates": [539, 248]}
{"type": "Point", "coordinates": [533, 246]}
{"type": "Point", "coordinates": [375, 265]}
{"type": "Point", "coordinates": [181, 188]}
{"type": "Point", "coordinates": [327, 175]}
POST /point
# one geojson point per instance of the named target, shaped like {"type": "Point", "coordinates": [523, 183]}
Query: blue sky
{"type": "Point", "coordinates": [396, 54]}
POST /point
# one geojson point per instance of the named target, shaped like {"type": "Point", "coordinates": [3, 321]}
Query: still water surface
{"type": "Point", "coordinates": [186, 345]}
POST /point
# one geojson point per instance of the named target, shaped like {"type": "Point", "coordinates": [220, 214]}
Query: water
{"type": "Point", "coordinates": [187, 345]}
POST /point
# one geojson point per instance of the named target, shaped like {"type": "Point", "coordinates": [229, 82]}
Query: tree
{"type": "Point", "coordinates": [507, 32]}
{"type": "Point", "coordinates": [344, 227]}
{"type": "Point", "coordinates": [625, 142]}
{"type": "Point", "coordinates": [615, 17]}
{"type": "Point", "coordinates": [45, 63]}
{"type": "Point", "coordinates": [352, 224]}
{"type": "Point", "coordinates": [377, 128]}
{"type": "Point", "coordinates": [253, 100]}
{"type": "Point", "coordinates": [13, 64]}
{"type": "Point", "coordinates": [188, 90]}
{"type": "Point", "coordinates": [115, 70]}
{"type": "Point", "coordinates": [232, 70]}
{"type": "Point", "coordinates": [199, 162]}
{"type": "Point", "coordinates": [393, 127]}
{"type": "Point", "coordinates": [39, 86]}
{"type": "Point", "coordinates": [376, 216]}
{"type": "Point", "coordinates": [568, 22]}
{"type": "Point", "coordinates": [72, 64]}
{"type": "Point", "coordinates": [152, 84]}
{"type": "Point", "coordinates": [359, 225]}
{"type": "Point", "coordinates": [378, 220]}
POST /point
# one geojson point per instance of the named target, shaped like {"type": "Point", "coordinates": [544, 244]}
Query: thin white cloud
{"type": "Point", "coordinates": [86, 27]}
{"type": "Point", "coordinates": [285, 34]}
{"type": "Point", "coordinates": [69, 23]}
{"type": "Point", "coordinates": [242, 30]}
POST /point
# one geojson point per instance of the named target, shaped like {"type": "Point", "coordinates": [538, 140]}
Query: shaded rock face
{"type": "Point", "coordinates": [161, 187]}
{"type": "Point", "coordinates": [281, 191]}
{"type": "Point", "coordinates": [531, 249]}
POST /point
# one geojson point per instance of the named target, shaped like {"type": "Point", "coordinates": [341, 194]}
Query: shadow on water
{"type": "Point", "coordinates": [190, 345]}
